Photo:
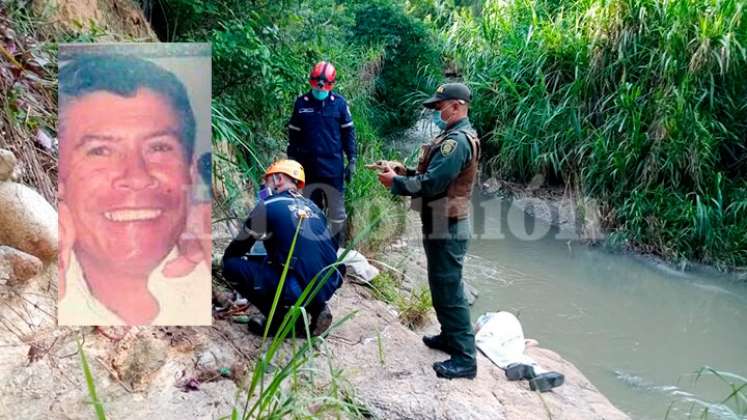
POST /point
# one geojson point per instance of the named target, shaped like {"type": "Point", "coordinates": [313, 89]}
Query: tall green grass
{"type": "Point", "coordinates": [642, 103]}
{"type": "Point", "coordinates": [732, 407]}
{"type": "Point", "coordinates": [98, 407]}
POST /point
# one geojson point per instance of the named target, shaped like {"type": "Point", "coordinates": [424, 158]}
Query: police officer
{"type": "Point", "coordinates": [274, 221]}
{"type": "Point", "coordinates": [320, 131]}
{"type": "Point", "coordinates": [441, 188]}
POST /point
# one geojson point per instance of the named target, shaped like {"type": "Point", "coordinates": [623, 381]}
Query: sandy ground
{"type": "Point", "coordinates": [141, 372]}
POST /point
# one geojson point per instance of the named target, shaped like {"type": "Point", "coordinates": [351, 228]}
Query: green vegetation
{"type": "Point", "coordinates": [640, 103]}
{"type": "Point", "coordinates": [732, 406]}
{"type": "Point", "coordinates": [413, 306]}
{"type": "Point", "coordinates": [261, 59]}
{"type": "Point", "coordinates": [91, 386]}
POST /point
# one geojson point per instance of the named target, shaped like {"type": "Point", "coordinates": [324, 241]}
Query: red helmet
{"type": "Point", "coordinates": [322, 76]}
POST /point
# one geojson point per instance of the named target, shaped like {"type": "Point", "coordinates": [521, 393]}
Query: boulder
{"type": "Point", "coordinates": [378, 353]}
{"type": "Point", "coordinates": [17, 266]}
{"type": "Point", "coordinates": [137, 359]}
{"type": "Point", "coordinates": [28, 222]}
{"type": "Point", "coordinates": [7, 164]}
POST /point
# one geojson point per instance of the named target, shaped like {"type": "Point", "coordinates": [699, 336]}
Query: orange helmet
{"type": "Point", "coordinates": [289, 167]}
{"type": "Point", "coordinates": [323, 76]}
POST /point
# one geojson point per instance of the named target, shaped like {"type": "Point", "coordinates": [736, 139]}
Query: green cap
{"type": "Point", "coordinates": [449, 91]}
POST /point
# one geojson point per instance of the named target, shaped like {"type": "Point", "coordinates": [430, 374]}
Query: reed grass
{"type": "Point", "coordinates": [732, 407]}
{"type": "Point", "coordinates": [643, 103]}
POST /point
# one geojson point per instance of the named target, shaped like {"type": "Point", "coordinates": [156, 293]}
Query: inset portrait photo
{"type": "Point", "coordinates": [134, 184]}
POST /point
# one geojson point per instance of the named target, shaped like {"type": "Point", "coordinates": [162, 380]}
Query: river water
{"type": "Point", "coordinates": [636, 329]}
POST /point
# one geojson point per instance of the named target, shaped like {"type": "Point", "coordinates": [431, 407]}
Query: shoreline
{"type": "Point", "coordinates": [563, 214]}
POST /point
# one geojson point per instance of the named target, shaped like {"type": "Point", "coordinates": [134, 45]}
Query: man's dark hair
{"type": "Point", "coordinates": [123, 75]}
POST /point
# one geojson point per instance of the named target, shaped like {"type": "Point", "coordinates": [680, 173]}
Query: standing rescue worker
{"type": "Point", "coordinates": [441, 187]}
{"type": "Point", "coordinates": [274, 221]}
{"type": "Point", "coordinates": [320, 131]}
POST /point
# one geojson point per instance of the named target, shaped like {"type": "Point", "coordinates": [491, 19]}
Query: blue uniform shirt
{"type": "Point", "coordinates": [274, 222]}
{"type": "Point", "coordinates": [319, 132]}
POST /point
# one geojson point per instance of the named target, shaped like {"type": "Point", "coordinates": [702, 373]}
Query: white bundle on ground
{"type": "Point", "coordinates": [357, 266]}
{"type": "Point", "coordinates": [500, 337]}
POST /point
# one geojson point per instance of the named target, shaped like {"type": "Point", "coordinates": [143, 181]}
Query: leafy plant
{"type": "Point", "coordinates": [642, 103]}
{"type": "Point", "coordinates": [413, 306]}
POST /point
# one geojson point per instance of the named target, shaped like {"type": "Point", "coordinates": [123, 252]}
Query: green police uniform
{"type": "Point", "coordinates": [439, 190]}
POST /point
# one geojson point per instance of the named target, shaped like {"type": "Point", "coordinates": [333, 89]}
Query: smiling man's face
{"type": "Point", "coordinates": [124, 176]}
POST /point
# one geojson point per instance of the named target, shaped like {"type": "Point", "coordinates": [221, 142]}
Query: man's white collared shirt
{"type": "Point", "coordinates": [182, 300]}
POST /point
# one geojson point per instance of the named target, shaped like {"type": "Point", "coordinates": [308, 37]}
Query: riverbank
{"type": "Point", "coordinates": [583, 219]}
{"type": "Point", "coordinates": [198, 372]}
{"type": "Point", "coordinates": [169, 373]}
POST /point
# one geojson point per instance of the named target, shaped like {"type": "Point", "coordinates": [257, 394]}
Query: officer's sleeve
{"type": "Point", "coordinates": [254, 229]}
{"type": "Point", "coordinates": [295, 139]}
{"type": "Point", "coordinates": [446, 164]}
{"type": "Point", "coordinates": [347, 130]}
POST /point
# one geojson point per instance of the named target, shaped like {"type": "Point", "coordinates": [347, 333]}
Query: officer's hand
{"type": "Point", "coordinates": [349, 170]}
{"type": "Point", "coordinates": [386, 177]}
{"type": "Point", "coordinates": [194, 244]}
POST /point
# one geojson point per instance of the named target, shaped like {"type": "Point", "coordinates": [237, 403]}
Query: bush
{"type": "Point", "coordinates": [643, 103]}
{"type": "Point", "coordinates": [411, 59]}
{"type": "Point", "coordinates": [261, 58]}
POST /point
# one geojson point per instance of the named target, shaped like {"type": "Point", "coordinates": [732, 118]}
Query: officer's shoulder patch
{"type": "Point", "coordinates": [448, 147]}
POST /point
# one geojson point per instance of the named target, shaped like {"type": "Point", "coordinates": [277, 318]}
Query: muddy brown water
{"type": "Point", "coordinates": [636, 328]}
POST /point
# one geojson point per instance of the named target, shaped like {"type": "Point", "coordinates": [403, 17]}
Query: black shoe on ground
{"type": "Point", "coordinates": [256, 324]}
{"type": "Point", "coordinates": [322, 321]}
{"type": "Point", "coordinates": [437, 342]}
{"type": "Point", "coordinates": [450, 369]}
{"type": "Point", "coordinates": [546, 381]}
{"type": "Point", "coordinates": [519, 371]}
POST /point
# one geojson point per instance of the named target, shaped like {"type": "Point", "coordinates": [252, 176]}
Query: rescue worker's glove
{"type": "Point", "coordinates": [380, 165]}
{"type": "Point", "coordinates": [349, 170]}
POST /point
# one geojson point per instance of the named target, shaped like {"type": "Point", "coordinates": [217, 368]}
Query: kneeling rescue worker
{"type": "Point", "coordinates": [274, 221]}
{"type": "Point", "coordinates": [442, 187]}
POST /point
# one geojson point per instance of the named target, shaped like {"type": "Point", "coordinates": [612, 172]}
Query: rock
{"type": "Point", "coordinates": [28, 222]}
{"type": "Point", "coordinates": [470, 292]}
{"type": "Point", "coordinates": [398, 362]}
{"type": "Point", "coordinates": [206, 360]}
{"type": "Point", "coordinates": [7, 164]}
{"type": "Point", "coordinates": [490, 186]}
{"type": "Point", "coordinates": [138, 359]}
{"type": "Point", "coordinates": [17, 266]}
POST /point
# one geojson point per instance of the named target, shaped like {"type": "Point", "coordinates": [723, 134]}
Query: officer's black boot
{"type": "Point", "coordinates": [437, 342]}
{"type": "Point", "coordinates": [454, 368]}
